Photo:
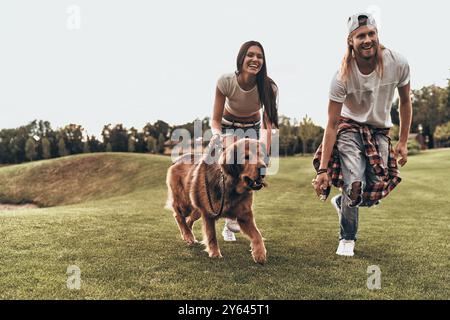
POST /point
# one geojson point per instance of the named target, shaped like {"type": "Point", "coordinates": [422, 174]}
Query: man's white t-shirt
{"type": "Point", "coordinates": [368, 99]}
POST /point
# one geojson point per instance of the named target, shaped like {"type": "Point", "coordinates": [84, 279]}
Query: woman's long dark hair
{"type": "Point", "coordinates": [265, 84]}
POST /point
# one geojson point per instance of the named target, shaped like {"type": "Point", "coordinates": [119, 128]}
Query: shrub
{"type": "Point", "coordinates": [413, 147]}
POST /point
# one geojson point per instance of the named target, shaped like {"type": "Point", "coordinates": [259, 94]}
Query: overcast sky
{"type": "Point", "coordinates": [134, 61]}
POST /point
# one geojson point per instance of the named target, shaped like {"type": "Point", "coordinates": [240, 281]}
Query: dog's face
{"type": "Point", "coordinates": [244, 161]}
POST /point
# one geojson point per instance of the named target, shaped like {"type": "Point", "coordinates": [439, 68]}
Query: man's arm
{"type": "Point", "coordinates": [405, 109]}
{"type": "Point", "coordinates": [329, 139]}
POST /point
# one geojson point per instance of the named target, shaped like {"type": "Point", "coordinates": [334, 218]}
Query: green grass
{"type": "Point", "coordinates": [104, 213]}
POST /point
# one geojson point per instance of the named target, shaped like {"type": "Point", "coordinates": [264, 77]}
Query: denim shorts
{"type": "Point", "coordinates": [236, 129]}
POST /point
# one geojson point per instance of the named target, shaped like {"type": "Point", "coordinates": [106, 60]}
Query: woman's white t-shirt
{"type": "Point", "coordinates": [238, 102]}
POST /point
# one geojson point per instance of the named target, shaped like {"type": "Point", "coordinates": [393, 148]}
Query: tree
{"type": "Point", "coordinates": [108, 147]}
{"type": "Point", "coordinates": [442, 135]}
{"type": "Point", "coordinates": [62, 150]}
{"type": "Point", "coordinates": [447, 107]}
{"type": "Point", "coordinates": [94, 144]}
{"type": "Point", "coordinates": [18, 141]}
{"type": "Point", "coordinates": [106, 133]}
{"type": "Point", "coordinates": [46, 148]}
{"type": "Point", "coordinates": [161, 142]}
{"type": "Point", "coordinates": [119, 138]}
{"type": "Point", "coordinates": [140, 142]}
{"type": "Point", "coordinates": [132, 140]}
{"type": "Point", "coordinates": [286, 135]}
{"type": "Point", "coordinates": [30, 149]}
{"type": "Point", "coordinates": [162, 128]}
{"type": "Point", "coordinates": [154, 130]}
{"type": "Point", "coordinates": [73, 138]}
{"type": "Point", "coordinates": [430, 109]}
{"type": "Point", "coordinates": [309, 133]}
{"type": "Point", "coordinates": [86, 148]}
{"type": "Point", "coordinates": [131, 144]}
{"type": "Point", "coordinates": [151, 144]}
{"type": "Point", "coordinates": [6, 141]}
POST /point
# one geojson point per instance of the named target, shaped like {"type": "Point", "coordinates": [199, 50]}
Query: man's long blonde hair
{"type": "Point", "coordinates": [346, 64]}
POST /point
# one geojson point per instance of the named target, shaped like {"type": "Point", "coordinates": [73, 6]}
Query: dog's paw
{"type": "Point", "coordinates": [259, 255]}
{"type": "Point", "coordinates": [190, 240]}
{"type": "Point", "coordinates": [215, 254]}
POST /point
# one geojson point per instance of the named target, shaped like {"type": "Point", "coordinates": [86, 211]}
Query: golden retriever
{"type": "Point", "coordinates": [221, 189]}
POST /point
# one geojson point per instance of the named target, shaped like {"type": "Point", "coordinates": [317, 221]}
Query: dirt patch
{"type": "Point", "coordinates": [17, 206]}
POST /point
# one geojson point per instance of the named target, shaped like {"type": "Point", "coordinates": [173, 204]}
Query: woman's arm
{"type": "Point", "coordinates": [266, 132]}
{"type": "Point", "coordinates": [219, 103]}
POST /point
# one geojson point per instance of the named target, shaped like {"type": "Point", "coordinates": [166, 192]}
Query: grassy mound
{"type": "Point", "coordinates": [79, 178]}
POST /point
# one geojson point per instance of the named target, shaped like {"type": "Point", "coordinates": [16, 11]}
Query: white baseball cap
{"type": "Point", "coordinates": [359, 20]}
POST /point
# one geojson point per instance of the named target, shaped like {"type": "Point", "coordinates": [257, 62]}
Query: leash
{"type": "Point", "coordinates": [222, 201]}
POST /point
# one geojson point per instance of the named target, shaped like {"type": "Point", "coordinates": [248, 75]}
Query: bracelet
{"type": "Point", "coordinates": [320, 171]}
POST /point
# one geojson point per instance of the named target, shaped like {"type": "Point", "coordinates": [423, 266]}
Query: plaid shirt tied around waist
{"type": "Point", "coordinates": [387, 176]}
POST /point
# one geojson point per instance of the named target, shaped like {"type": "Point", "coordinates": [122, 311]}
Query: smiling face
{"type": "Point", "coordinates": [253, 61]}
{"type": "Point", "coordinates": [364, 41]}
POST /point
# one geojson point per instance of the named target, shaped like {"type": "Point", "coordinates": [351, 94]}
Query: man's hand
{"type": "Point", "coordinates": [321, 182]}
{"type": "Point", "coordinates": [401, 149]}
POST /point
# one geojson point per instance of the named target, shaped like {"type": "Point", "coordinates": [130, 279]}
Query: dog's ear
{"type": "Point", "coordinates": [231, 165]}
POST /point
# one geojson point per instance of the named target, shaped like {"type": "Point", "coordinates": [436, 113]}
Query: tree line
{"type": "Point", "coordinates": [38, 140]}
{"type": "Point", "coordinates": [431, 114]}
{"type": "Point", "coordinates": [431, 118]}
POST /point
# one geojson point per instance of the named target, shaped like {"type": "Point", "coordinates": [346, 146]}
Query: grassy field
{"type": "Point", "coordinates": [104, 213]}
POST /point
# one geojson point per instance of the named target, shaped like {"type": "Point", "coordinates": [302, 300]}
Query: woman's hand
{"type": "Point", "coordinates": [216, 140]}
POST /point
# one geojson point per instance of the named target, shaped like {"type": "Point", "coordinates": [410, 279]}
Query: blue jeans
{"type": "Point", "coordinates": [355, 169]}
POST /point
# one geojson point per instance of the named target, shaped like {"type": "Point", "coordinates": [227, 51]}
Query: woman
{"type": "Point", "coordinates": [240, 99]}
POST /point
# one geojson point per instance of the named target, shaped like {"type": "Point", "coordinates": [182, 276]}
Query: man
{"type": "Point", "coordinates": [356, 154]}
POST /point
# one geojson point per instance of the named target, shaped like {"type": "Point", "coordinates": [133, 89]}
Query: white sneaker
{"type": "Point", "coordinates": [340, 249]}
{"type": "Point", "coordinates": [227, 234]}
{"type": "Point", "coordinates": [346, 248]}
{"type": "Point", "coordinates": [349, 248]}
{"type": "Point", "coordinates": [232, 225]}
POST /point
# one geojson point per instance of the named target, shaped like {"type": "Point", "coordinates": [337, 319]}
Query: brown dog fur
{"type": "Point", "coordinates": [187, 196]}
